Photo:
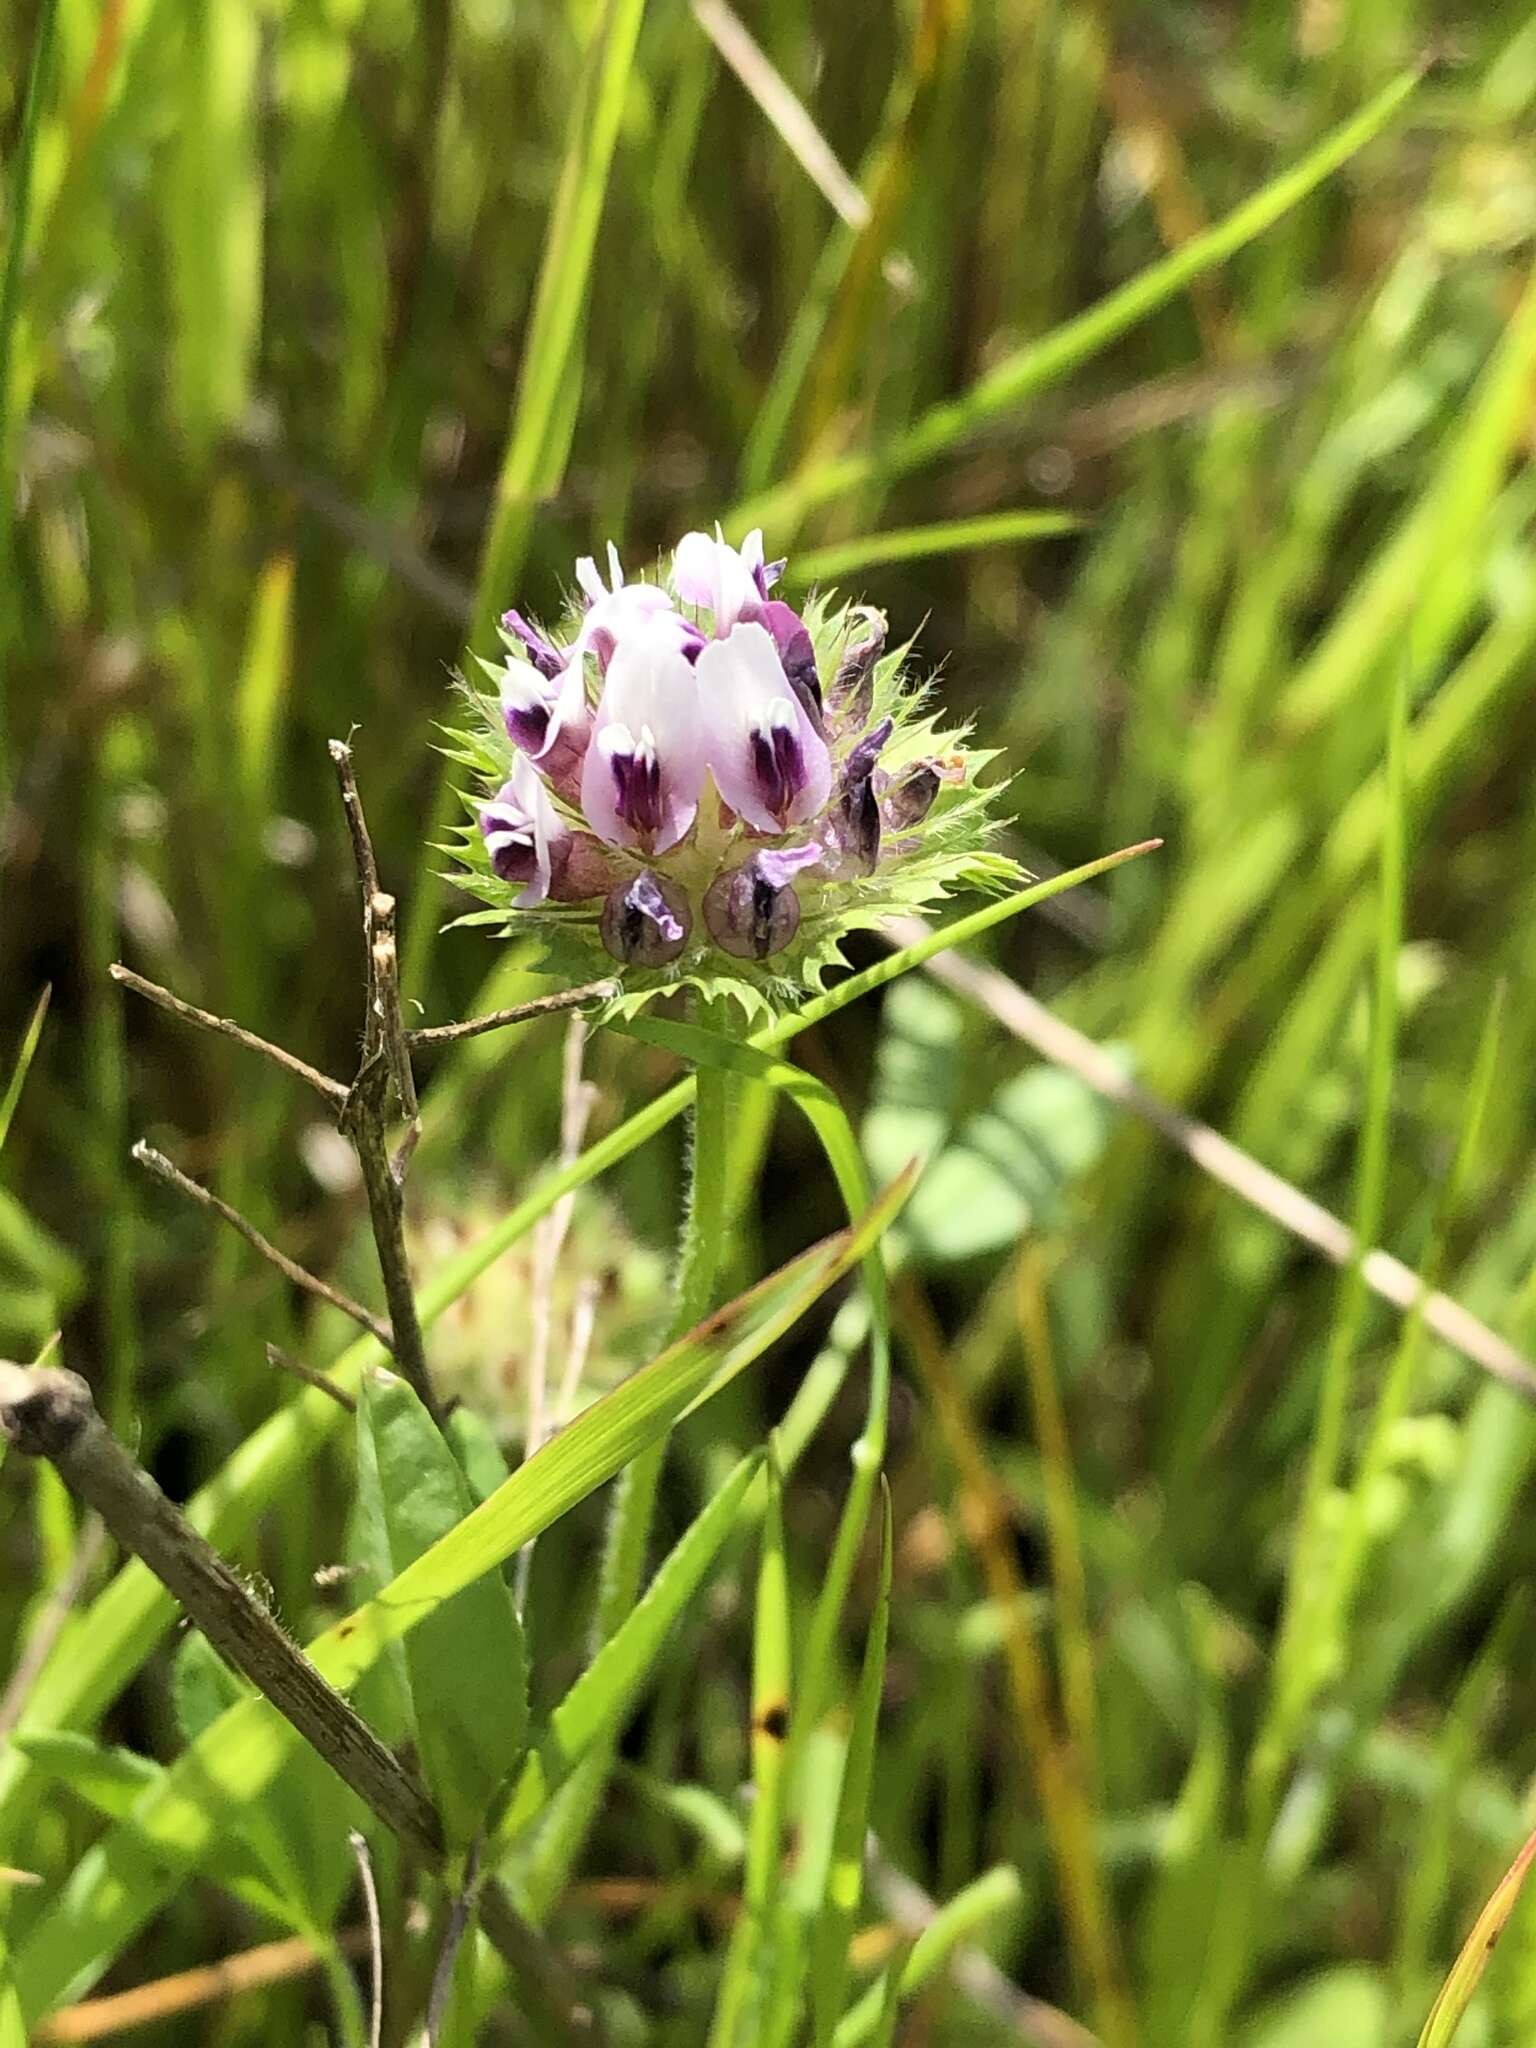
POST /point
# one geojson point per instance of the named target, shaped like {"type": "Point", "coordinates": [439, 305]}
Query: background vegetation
{"type": "Point", "coordinates": [344, 323]}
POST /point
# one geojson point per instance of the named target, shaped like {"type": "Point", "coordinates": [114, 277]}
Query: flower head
{"type": "Point", "coordinates": [699, 782]}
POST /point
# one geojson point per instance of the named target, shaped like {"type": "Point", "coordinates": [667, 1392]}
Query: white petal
{"type": "Point", "coordinates": [592, 584]}
{"type": "Point", "coordinates": [712, 574]}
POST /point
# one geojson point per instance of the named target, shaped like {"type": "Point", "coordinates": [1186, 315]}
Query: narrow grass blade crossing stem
{"type": "Point", "coordinates": [783, 509]}
{"type": "Point", "coordinates": [19, 213]}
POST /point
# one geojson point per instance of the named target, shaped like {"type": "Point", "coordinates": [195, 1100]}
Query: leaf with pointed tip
{"type": "Point", "coordinates": [956, 1921]}
{"type": "Point", "coordinates": [466, 1669]}
{"type": "Point", "coordinates": [1450, 2007]}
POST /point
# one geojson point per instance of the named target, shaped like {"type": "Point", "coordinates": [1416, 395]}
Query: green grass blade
{"type": "Point", "coordinates": [1450, 2008]}
{"type": "Point", "coordinates": [845, 1872]}
{"type": "Point", "coordinates": [829, 1120]}
{"type": "Point", "coordinates": [1353, 1540]}
{"type": "Point", "coordinates": [782, 511]}
{"type": "Point", "coordinates": [13, 2031]}
{"type": "Point", "coordinates": [107, 1778]}
{"type": "Point", "coordinates": [25, 1053]}
{"type": "Point", "coordinates": [264, 680]}
{"type": "Point", "coordinates": [1297, 1665]}
{"type": "Point", "coordinates": [18, 209]}
{"type": "Point", "coordinates": [600, 1698]}
{"type": "Point", "coordinates": [995, 1891]}
{"type": "Point", "coordinates": [121, 1880]}
{"type": "Point", "coordinates": [214, 223]}
{"type": "Point", "coordinates": [1419, 574]}
{"type": "Point", "coordinates": [771, 1709]}
{"type": "Point", "coordinates": [916, 543]}
{"type": "Point", "coordinates": [539, 439]}
{"type": "Point", "coordinates": [548, 386]}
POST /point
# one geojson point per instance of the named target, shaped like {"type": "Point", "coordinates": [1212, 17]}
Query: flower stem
{"type": "Point", "coordinates": [698, 1272]}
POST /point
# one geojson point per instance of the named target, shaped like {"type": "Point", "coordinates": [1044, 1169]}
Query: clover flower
{"type": "Point", "coordinates": [692, 784]}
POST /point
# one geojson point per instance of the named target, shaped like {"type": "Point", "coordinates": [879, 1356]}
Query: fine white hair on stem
{"type": "Point", "coordinates": [576, 1099]}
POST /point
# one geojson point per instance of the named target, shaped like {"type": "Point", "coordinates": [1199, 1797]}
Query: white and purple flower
{"type": "Point", "coordinates": [708, 785]}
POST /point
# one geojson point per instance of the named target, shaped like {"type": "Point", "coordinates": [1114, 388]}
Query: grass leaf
{"type": "Point", "coordinates": [120, 1881]}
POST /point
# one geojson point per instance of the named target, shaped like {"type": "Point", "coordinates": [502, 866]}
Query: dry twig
{"type": "Point", "coordinates": [225, 1027]}
{"type": "Point", "coordinates": [359, 1847]}
{"type": "Point", "coordinates": [166, 1170]}
{"type": "Point", "coordinates": [284, 1361]}
{"type": "Point", "coordinates": [430, 1036]}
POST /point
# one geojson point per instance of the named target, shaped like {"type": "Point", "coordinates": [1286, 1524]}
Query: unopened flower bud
{"type": "Point", "coordinates": [646, 921]}
{"type": "Point", "coordinates": [856, 811]}
{"type": "Point", "coordinates": [853, 687]}
{"type": "Point", "coordinates": [546, 659]}
{"type": "Point", "coordinates": [909, 798]}
{"type": "Point", "coordinates": [753, 911]}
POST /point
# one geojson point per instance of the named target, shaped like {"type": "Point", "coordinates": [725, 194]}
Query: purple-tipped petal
{"type": "Point", "coordinates": [646, 921]}
{"type": "Point", "coordinates": [525, 836]}
{"type": "Point", "coordinates": [548, 719]}
{"type": "Point", "coordinates": [645, 764]}
{"type": "Point", "coordinates": [547, 659]}
{"type": "Point", "coordinates": [754, 911]}
{"type": "Point", "coordinates": [769, 762]}
{"type": "Point", "coordinates": [855, 808]}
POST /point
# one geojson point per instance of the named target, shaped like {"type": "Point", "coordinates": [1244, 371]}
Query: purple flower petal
{"type": "Point", "coordinates": [855, 810]}
{"type": "Point", "coordinates": [720, 579]}
{"type": "Point", "coordinates": [548, 660]}
{"type": "Point", "coordinates": [853, 687]}
{"type": "Point", "coordinates": [646, 921]}
{"type": "Point", "coordinates": [797, 654]}
{"type": "Point", "coordinates": [525, 836]}
{"type": "Point", "coordinates": [645, 765]}
{"type": "Point", "coordinates": [769, 762]}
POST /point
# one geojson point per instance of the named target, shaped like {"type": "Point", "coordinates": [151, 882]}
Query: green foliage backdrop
{"type": "Point", "coordinates": [1203, 336]}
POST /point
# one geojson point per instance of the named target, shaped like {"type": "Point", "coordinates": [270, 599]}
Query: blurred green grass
{"type": "Point", "coordinates": [338, 328]}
